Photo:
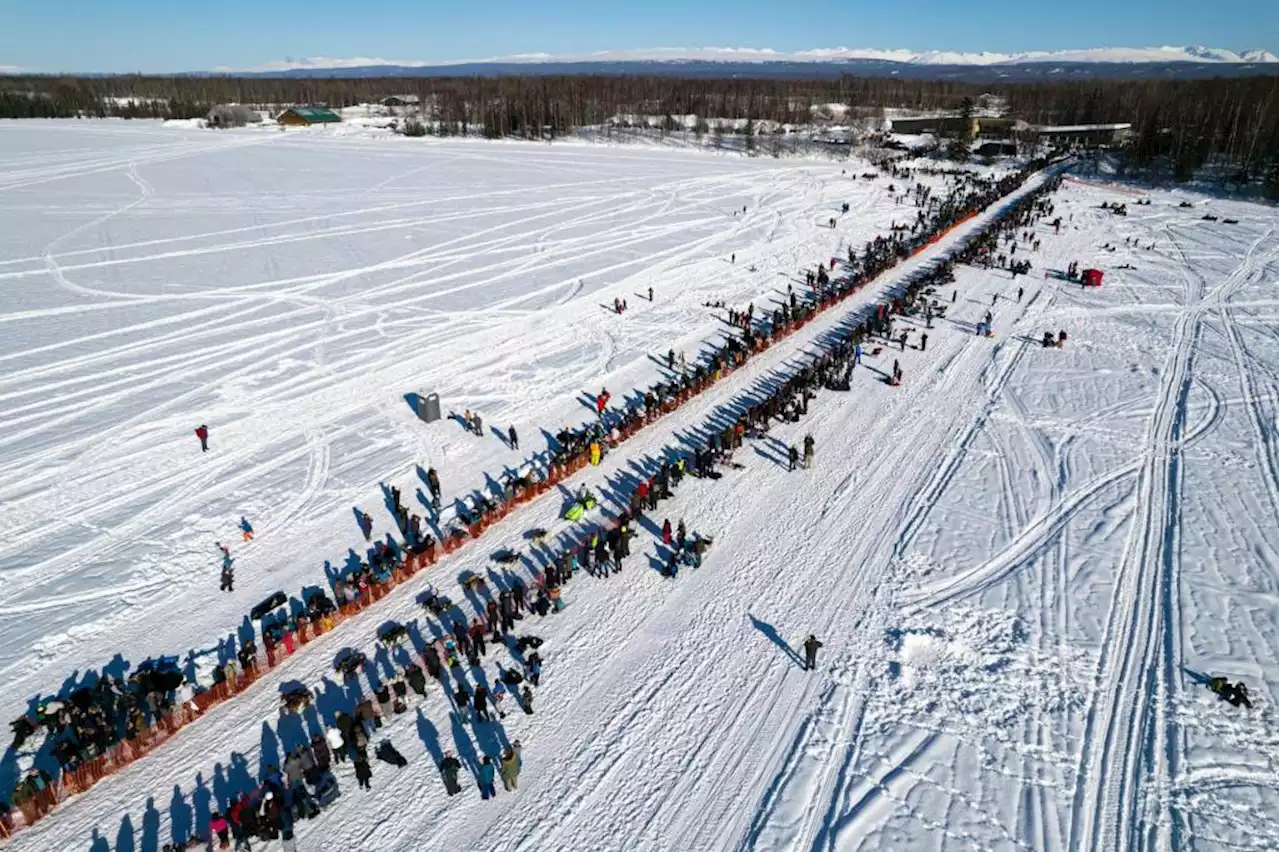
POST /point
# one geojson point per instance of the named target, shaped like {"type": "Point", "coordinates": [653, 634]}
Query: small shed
{"type": "Point", "coordinates": [232, 115]}
{"type": "Point", "coordinates": [997, 149]}
{"type": "Point", "coordinates": [1091, 278]}
{"type": "Point", "coordinates": [296, 116]}
{"type": "Point", "coordinates": [400, 101]}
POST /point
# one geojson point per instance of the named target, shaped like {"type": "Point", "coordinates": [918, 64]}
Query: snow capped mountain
{"type": "Point", "coordinates": [1192, 53]}
{"type": "Point", "coordinates": [1257, 56]}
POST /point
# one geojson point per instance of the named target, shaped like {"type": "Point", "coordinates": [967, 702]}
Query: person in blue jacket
{"type": "Point", "coordinates": [486, 776]}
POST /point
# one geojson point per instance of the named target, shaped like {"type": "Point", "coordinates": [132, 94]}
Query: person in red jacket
{"type": "Point", "coordinates": [202, 432]}
{"type": "Point", "coordinates": [218, 826]}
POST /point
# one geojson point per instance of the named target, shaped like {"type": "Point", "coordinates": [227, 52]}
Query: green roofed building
{"type": "Point", "coordinates": [308, 115]}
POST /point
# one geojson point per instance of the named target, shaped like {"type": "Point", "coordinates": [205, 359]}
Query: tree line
{"type": "Point", "coordinates": [1179, 126]}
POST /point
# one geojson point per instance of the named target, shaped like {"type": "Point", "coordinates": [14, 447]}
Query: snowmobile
{"type": "Point", "coordinates": [434, 602]}
{"type": "Point", "coordinates": [510, 677]}
{"type": "Point", "coordinates": [319, 604]}
{"type": "Point", "coordinates": [268, 605]}
{"type": "Point", "coordinates": [582, 503]}
{"type": "Point", "coordinates": [157, 675]}
{"type": "Point", "coordinates": [294, 697]}
{"type": "Point", "coordinates": [348, 662]}
{"type": "Point", "coordinates": [392, 633]}
{"type": "Point", "coordinates": [22, 728]}
{"type": "Point", "coordinates": [525, 642]}
{"type": "Point", "coordinates": [472, 581]}
{"type": "Point", "coordinates": [506, 556]}
{"type": "Point", "coordinates": [1236, 694]}
{"type": "Point", "coordinates": [387, 753]}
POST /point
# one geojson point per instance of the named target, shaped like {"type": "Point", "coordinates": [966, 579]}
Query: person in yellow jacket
{"type": "Point", "coordinates": [595, 452]}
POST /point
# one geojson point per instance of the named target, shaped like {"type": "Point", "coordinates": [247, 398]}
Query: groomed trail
{"type": "Point", "coordinates": [1021, 562]}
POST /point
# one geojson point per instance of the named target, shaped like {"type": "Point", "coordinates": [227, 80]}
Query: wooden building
{"type": "Point", "coordinates": [303, 116]}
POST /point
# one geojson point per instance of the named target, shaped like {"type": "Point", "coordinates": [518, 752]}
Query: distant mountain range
{"type": "Point", "coordinates": [1113, 63]}
{"type": "Point", "coordinates": [682, 56]}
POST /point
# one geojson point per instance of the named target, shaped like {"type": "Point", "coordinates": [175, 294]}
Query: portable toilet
{"type": "Point", "coordinates": [429, 407]}
{"type": "Point", "coordinates": [1092, 278]}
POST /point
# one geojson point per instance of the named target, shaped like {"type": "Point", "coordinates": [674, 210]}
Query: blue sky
{"type": "Point", "coordinates": [182, 35]}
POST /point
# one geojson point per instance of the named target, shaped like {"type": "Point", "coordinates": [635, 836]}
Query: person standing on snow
{"type": "Point", "coordinates": [449, 768]}
{"type": "Point", "coordinates": [808, 451]}
{"type": "Point", "coordinates": [480, 701]}
{"type": "Point", "coordinates": [246, 528]}
{"type": "Point", "coordinates": [509, 767]}
{"type": "Point", "coordinates": [811, 646]}
{"type": "Point", "coordinates": [534, 668]}
{"type": "Point", "coordinates": [433, 485]}
{"type": "Point", "coordinates": [512, 438]}
{"type": "Point", "coordinates": [228, 578]}
{"type": "Point", "coordinates": [218, 826]}
{"type": "Point", "coordinates": [924, 341]}
{"type": "Point", "coordinates": [202, 432]}
{"type": "Point", "coordinates": [364, 772]}
{"type": "Point", "coordinates": [485, 777]}
{"type": "Point", "coordinates": [793, 456]}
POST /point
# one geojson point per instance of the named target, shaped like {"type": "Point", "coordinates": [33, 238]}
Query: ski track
{"type": "Point", "coordinates": [1140, 665]}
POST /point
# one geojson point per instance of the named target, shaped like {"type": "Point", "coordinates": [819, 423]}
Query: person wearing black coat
{"type": "Point", "coordinates": [449, 768]}
{"type": "Point", "coordinates": [417, 682]}
{"type": "Point", "coordinates": [323, 757]}
{"type": "Point", "coordinates": [811, 646]}
{"type": "Point", "coordinates": [432, 661]}
{"type": "Point", "coordinates": [364, 772]}
{"type": "Point", "coordinates": [481, 703]}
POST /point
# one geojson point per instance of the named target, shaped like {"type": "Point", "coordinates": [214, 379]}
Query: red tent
{"type": "Point", "coordinates": [1092, 278]}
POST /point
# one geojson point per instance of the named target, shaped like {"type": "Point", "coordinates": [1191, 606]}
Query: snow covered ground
{"type": "Point", "coordinates": [1022, 562]}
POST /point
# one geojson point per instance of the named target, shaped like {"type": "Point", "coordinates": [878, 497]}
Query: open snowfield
{"type": "Point", "coordinates": [1023, 562]}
